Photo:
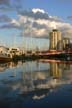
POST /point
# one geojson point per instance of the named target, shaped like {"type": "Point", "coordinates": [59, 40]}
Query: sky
{"type": "Point", "coordinates": [27, 23]}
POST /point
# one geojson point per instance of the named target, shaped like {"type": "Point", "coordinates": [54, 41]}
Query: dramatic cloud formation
{"type": "Point", "coordinates": [8, 5]}
{"type": "Point", "coordinates": [10, 23]}
{"type": "Point", "coordinates": [38, 14]}
{"type": "Point", "coordinates": [4, 18]}
{"type": "Point", "coordinates": [37, 23]}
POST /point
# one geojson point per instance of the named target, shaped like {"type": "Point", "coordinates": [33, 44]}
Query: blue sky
{"type": "Point", "coordinates": [31, 17]}
{"type": "Point", "coordinates": [61, 8]}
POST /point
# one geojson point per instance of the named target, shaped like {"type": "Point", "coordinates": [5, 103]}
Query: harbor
{"type": "Point", "coordinates": [63, 51]}
{"type": "Point", "coordinates": [35, 54]}
{"type": "Point", "coordinates": [39, 81]}
{"type": "Point", "coordinates": [59, 48]}
{"type": "Point", "coordinates": [17, 55]}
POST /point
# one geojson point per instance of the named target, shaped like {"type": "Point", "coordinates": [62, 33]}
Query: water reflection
{"type": "Point", "coordinates": [5, 66]}
{"type": "Point", "coordinates": [35, 80]}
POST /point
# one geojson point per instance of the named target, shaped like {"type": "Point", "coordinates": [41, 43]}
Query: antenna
{"type": "Point", "coordinates": [31, 34]}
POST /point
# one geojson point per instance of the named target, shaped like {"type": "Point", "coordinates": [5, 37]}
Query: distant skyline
{"type": "Point", "coordinates": [33, 18]}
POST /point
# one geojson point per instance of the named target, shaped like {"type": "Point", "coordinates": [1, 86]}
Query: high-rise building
{"type": "Point", "coordinates": [66, 41]}
{"type": "Point", "coordinates": [55, 40]}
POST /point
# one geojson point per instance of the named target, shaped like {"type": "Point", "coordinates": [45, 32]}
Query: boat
{"type": "Point", "coordinates": [5, 57]}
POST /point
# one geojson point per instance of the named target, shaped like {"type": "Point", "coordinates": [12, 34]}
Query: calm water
{"type": "Point", "coordinates": [36, 84]}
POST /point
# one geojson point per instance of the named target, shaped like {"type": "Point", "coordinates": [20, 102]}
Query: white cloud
{"type": "Point", "coordinates": [38, 10]}
{"type": "Point", "coordinates": [38, 23]}
{"type": "Point", "coordinates": [15, 22]}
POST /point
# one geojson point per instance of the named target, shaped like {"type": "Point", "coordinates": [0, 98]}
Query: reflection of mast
{"type": "Point", "coordinates": [37, 64]}
{"type": "Point", "coordinates": [27, 77]}
{"type": "Point", "coordinates": [14, 73]}
{"type": "Point", "coordinates": [31, 77]}
{"type": "Point", "coordinates": [23, 75]}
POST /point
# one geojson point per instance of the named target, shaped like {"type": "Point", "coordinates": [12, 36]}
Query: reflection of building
{"type": "Point", "coordinates": [69, 46]}
{"type": "Point", "coordinates": [66, 66]}
{"type": "Point", "coordinates": [55, 40]}
{"type": "Point", "coordinates": [3, 67]}
{"type": "Point", "coordinates": [9, 65]}
{"type": "Point", "coordinates": [12, 64]}
{"type": "Point", "coordinates": [55, 71]}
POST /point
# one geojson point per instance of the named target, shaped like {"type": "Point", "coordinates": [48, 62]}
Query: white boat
{"type": "Point", "coordinates": [5, 57]}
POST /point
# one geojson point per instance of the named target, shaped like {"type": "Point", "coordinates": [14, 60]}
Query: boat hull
{"type": "Point", "coordinates": [5, 59]}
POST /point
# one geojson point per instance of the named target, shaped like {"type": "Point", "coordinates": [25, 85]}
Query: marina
{"type": "Point", "coordinates": [35, 54]}
{"type": "Point", "coordinates": [59, 48]}
{"type": "Point", "coordinates": [16, 54]}
{"type": "Point", "coordinates": [42, 83]}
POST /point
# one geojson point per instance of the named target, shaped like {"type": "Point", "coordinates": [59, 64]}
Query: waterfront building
{"type": "Point", "coordinates": [66, 42]}
{"type": "Point", "coordinates": [3, 49]}
{"type": "Point", "coordinates": [69, 46]}
{"type": "Point", "coordinates": [15, 51]}
{"type": "Point", "coordinates": [55, 40]}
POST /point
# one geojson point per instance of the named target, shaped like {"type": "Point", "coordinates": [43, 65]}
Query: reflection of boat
{"type": "Point", "coordinates": [4, 57]}
{"type": "Point", "coordinates": [49, 60]}
{"type": "Point", "coordinates": [3, 67]}
{"type": "Point", "coordinates": [54, 61]}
